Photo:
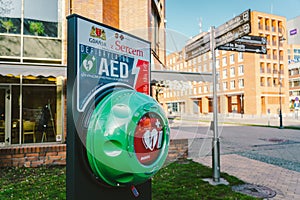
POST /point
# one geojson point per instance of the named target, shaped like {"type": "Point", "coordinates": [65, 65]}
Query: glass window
{"type": "Point", "coordinates": [232, 59]}
{"type": "Point", "coordinates": [224, 73]}
{"type": "Point", "coordinates": [155, 20]}
{"type": "Point", "coordinates": [225, 87]}
{"type": "Point", "coordinates": [224, 61]}
{"type": "Point", "coordinates": [10, 16]}
{"type": "Point", "coordinates": [232, 71]}
{"type": "Point", "coordinates": [241, 83]}
{"type": "Point", "coordinates": [42, 48]}
{"type": "Point", "coordinates": [241, 69]}
{"type": "Point", "coordinates": [232, 84]}
{"type": "Point", "coordinates": [240, 56]}
{"type": "Point", "coordinates": [10, 45]}
{"type": "Point", "coordinates": [41, 17]}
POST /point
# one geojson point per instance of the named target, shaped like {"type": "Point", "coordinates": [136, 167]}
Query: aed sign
{"type": "Point", "coordinates": [108, 56]}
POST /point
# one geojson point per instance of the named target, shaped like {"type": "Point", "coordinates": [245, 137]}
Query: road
{"type": "Point", "coordinates": [275, 146]}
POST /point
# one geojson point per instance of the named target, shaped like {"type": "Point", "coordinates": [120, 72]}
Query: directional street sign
{"type": "Point", "coordinates": [198, 47]}
{"type": "Point", "coordinates": [198, 51]}
{"type": "Point", "coordinates": [251, 44]}
{"type": "Point", "coordinates": [231, 30]}
{"type": "Point", "coordinates": [233, 23]}
{"type": "Point", "coordinates": [261, 49]}
{"type": "Point", "coordinates": [234, 34]}
{"type": "Point", "coordinates": [250, 39]}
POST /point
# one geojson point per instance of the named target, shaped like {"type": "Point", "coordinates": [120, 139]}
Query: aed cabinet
{"type": "Point", "coordinates": [117, 135]}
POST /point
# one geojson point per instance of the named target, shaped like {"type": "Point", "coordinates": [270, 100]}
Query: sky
{"type": "Point", "coordinates": [183, 16]}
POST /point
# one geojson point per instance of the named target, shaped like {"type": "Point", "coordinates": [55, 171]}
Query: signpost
{"type": "Point", "coordinates": [232, 36]}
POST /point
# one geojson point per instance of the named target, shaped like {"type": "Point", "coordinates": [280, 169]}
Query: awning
{"type": "Point", "coordinates": [34, 70]}
{"type": "Point", "coordinates": [180, 76]}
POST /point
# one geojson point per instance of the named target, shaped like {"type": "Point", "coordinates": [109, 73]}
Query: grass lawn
{"type": "Point", "coordinates": [178, 180]}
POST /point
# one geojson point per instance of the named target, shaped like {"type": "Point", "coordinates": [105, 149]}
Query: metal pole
{"type": "Point", "coordinates": [215, 142]}
{"type": "Point", "coordinates": [280, 83]}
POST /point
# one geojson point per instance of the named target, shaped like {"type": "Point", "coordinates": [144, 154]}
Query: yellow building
{"type": "Point", "coordinates": [248, 83]}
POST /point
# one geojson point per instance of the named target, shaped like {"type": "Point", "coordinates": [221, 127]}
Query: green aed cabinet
{"type": "Point", "coordinates": [117, 135]}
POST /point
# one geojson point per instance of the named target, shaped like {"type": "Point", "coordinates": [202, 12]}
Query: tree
{"type": "Point", "coordinates": [8, 25]}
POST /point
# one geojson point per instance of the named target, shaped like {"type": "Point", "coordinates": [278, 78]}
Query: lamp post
{"type": "Point", "coordinates": [280, 38]}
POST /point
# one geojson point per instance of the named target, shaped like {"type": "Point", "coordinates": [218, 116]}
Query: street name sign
{"type": "Point", "coordinates": [243, 47]}
{"type": "Point", "coordinates": [233, 23]}
{"type": "Point", "coordinates": [233, 34]}
{"type": "Point", "coordinates": [198, 47]}
{"type": "Point", "coordinates": [250, 44]}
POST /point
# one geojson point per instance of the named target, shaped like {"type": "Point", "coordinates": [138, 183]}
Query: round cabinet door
{"type": "Point", "coordinates": [127, 138]}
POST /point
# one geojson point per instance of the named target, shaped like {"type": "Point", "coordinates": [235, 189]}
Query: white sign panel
{"type": "Point", "coordinates": [107, 57]}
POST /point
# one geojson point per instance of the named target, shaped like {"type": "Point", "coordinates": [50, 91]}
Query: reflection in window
{"type": "Point", "coordinates": [10, 45]}
{"type": "Point", "coordinates": [42, 48]}
{"type": "Point", "coordinates": [10, 16]}
{"type": "Point", "coordinates": [41, 17]}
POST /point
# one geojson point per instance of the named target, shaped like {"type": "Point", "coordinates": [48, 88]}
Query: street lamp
{"type": "Point", "coordinates": [280, 38]}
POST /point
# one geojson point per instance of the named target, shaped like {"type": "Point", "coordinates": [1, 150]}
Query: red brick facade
{"type": "Point", "coordinates": [55, 154]}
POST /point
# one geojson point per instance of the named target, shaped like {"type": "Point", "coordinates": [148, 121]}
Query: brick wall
{"type": "Point", "coordinates": [55, 154]}
{"type": "Point", "coordinates": [33, 156]}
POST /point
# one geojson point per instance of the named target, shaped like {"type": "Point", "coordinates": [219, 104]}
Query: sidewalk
{"type": "Point", "coordinates": [285, 182]}
{"type": "Point", "coordinates": [246, 119]}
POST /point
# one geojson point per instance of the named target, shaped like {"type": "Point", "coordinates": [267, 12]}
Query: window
{"type": "Point", "coordinates": [241, 69]}
{"type": "Point", "coordinates": [217, 63]}
{"type": "Point", "coordinates": [41, 18]}
{"type": "Point", "coordinates": [33, 36]}
{"type": "Point", "coordinates": [224, 61]}
{"type": "Point", "coordinates": [232, 84]}
{"type": "Point", "coordinates": [224, 73]}
{"type": "Point", "coordinates": [232, 59]}
{"type": "Point", "coordinates": [241, 83]}
{"type": "Point", "coordinates": [240, 56]}
{"type": "Point", "coordinates": [155, 21]}
{"type": "Point", "coordinates": [225, 87]}
{"type": "Point", "coordinates": [232, 72]}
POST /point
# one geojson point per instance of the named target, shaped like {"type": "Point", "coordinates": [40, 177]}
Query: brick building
{"type": "Point", "coordinates": [33, 56]}
{"type": "Point", "coordinates": [248, 83]}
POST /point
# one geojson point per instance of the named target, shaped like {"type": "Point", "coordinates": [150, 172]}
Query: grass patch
{"type": "Point", "coordinates": [184, 181]}
{"type": "Point", "coordinates": [178, 180]}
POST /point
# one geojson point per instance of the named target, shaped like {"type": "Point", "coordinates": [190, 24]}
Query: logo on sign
{"type": "Point", "coordinates": [98, 33]}
{"type": "Point", "coordinates": [88, 63]}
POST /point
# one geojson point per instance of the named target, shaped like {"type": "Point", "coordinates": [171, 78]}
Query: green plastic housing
{"type": "Point", "coordinates": [127, 139]}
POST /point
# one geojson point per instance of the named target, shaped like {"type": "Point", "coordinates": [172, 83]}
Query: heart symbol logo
{"type": "Point", "coordinates": [88, 65]}
{"type": "Point", "coordinates": [150, 139]}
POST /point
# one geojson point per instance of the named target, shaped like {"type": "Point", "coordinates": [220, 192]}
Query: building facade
{"type": "Point", "coordinates": [33, 59]}
{"type": "Point", "coordinates": [293, 52]}
{"type": "Point", "coordinates": [248, 83]}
